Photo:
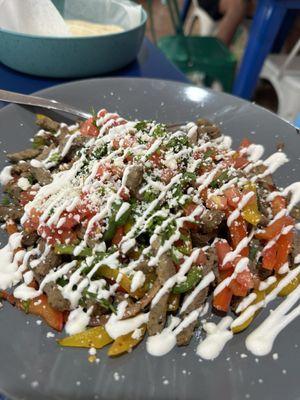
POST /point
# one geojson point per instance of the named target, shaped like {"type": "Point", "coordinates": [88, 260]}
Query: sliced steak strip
{"type": "Point", "coordinates": [11, 212]}
{"type": "Point", "coordinates": [136, 308]}
{"type": "Point", "coordinates": [208, 128]}
{"type": "Point", "coordinates": [211, 220]}
{"type": "Point", "coordinates": [47, 124]}
{"type": "Point", "coordinates": [201, 239]}
{"type": "Point", "coordinates": [29, 239]}
{"type": "Point", "coordinates": [27, 154]}
{"type": "Point", "coordinates": [42, 175]}
{"type": "Point", "coordinates": [184, 337]}
{"type": "Point", "coordinates": [296, 246]}
{"type": "Point", "coordinates": [50, 261]}
{"type": "Point", "coordinates": [158, 313]}
{"type": "Point", "coordinates": [55, 297]}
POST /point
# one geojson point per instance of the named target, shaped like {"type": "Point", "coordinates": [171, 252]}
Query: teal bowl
{"type": "Point", "coordinates": [71, 57]}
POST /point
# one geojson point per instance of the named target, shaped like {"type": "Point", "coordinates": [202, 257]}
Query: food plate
{"type": "Point", "coordinates": [34, 367]}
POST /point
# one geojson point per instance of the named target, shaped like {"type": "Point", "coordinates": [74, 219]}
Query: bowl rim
{"type": "Point", "coordinates": [144, 18]}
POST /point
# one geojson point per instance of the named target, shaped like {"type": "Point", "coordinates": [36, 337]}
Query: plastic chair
{"type": "Point", "coordinates": [206, 24]}
{"type": "Point", "coordinates": [284, 74]}
{"type": "Point", "coordinates": [198, 54]}
{"type": "Point", "coordinates": [266, 24]}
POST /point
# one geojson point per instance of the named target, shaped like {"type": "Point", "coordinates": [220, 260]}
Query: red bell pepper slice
{"type": "Point", "coordinates": [222, 249]}
{"type": "Point", "coordinates": [278, 204]}
{"type": "Point", "coordinates": [38, 306]}
{"type": "Point", "coordinates": [238, 289]}
{"type": "Point", "coordinates": [238, 231]}
{"type": "Point", "coordinates": [222, 300]}
{"type": "Point", "coordinates": [271, 231]}
{"type": "Point", "coordinates": [284, 245]}
{"type": "Point", "coordinates": [269, 258]}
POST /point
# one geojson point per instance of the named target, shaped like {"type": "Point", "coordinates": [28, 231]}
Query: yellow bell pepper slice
{"type": "Point", "coordinates": [289, 287]}
{"type": "Point", "coordinates": [250, 212]}
{"type": "Point", "coordinates": [125, 281]}
{"type": "Point", "coordinates": [124, 344]}
{"type": "Point", "coordinates": [94, 337]}
{"type": "Point", "coordinates": [260, 295]}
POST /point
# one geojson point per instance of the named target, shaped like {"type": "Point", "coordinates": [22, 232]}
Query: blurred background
{"type": "Point", "coordinates": [217, 34]}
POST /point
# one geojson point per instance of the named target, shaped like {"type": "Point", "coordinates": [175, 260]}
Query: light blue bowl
{"type": "Point", "coordinates": [70, 57]}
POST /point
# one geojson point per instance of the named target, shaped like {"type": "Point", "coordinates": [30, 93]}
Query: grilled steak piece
{"type": "Point", "coordinates": [47, 124]}
{"type": "Point", "coordinates": [27, 154]}
{"type": "Point", "coordinates": [55, 297]}
{"type": "Point", "coordinates": [134, 179]}
{"type": "Point", "coordinates": [11, 212]}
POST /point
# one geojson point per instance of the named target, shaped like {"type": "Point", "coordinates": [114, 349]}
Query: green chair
{"type": "Point", "coordinates": [207, 56]}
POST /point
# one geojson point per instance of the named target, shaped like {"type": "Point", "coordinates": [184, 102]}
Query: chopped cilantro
{"type": "Point", "coordinates": [55, 157]}
{"type": "Point", "coordinates": [154, 222]}
{"type": "Point", "coordinates": [178, 142]}
{"type": "Point", "coordinates": [100, 152]}
{"type": "Point", "coordinates": [141, 125]}
{"type": "Point", "coordinates": [159, 131]}
{"type": "Point", "coordinates": [149, 196]}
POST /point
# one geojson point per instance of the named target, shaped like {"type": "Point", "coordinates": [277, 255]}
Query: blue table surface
{"type": "Point", "coordinates": [150, 63]}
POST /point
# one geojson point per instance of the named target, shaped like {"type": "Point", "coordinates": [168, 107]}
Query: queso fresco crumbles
{"type": "Point", "coordinates": [120, 228]}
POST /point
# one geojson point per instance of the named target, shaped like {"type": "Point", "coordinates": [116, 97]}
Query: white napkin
{"type": "Point", "coordinates": [124, 13]}
{"type": "Point", "coordinates": [36, 17]}
{"type": "Point", "coordinates": [40, 17]}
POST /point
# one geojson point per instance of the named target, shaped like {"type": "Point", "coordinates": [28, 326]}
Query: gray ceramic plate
{"type": "Point", "coordinates": [27, 356]}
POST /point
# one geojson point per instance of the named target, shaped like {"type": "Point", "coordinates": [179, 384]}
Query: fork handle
{"type": "Point", "coordinates": [18, 98]}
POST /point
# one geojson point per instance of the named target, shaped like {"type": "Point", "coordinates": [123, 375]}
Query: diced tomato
{"type": "Point", "coordinates": [284, 245]}
{"type": "Point", "coordinates": [238, 289]}
{"type": "Point", "coordinates": [272, 230]}
{"type": "Point", "coordinates": [109, 168]}
{"type": "Point", "coordinates": [124, 193]}
{"type": "Point", "coordinates": [278, 204]}
{"type": "Point", "coordinates": [26, 196]}
{"type": "Point", "coordinates": [222, 300]}
{"type": "Point", "coordinates": [70, 221]}
{"type": "Point", "coordinates": [88, 128]}
{"type": "Point", "coordinates": [126, 142]}
{"type": "Point", "coordinates": [222, 249]}
{"type": "Point", "coordinates": [32, 223]}
{"type": "Point", "coordinates": [238, 231]}
{"type": "Point", "coordinates": [225, 273]}
{"type": "Point", "coordinates": [155, 159]}
{"type": "Point", "coordinates": [245, 279]}
{"type": "Point", "coordinates": [233, 196]}
{"type": "Point", "coordinates": [101, 113]}
{"type": "Point", "coordinates": [269, 258]}
{"type": "Point", "coordinates": [55, 236]}
{"type": "Point", "coordinates": [118, 235]}
{"type": "Point", "coordinates": [167, 174]}
{"type": "Point", "coordinates": [190, 208]}
{"type": "Point", "coordinates": [84, 208]}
